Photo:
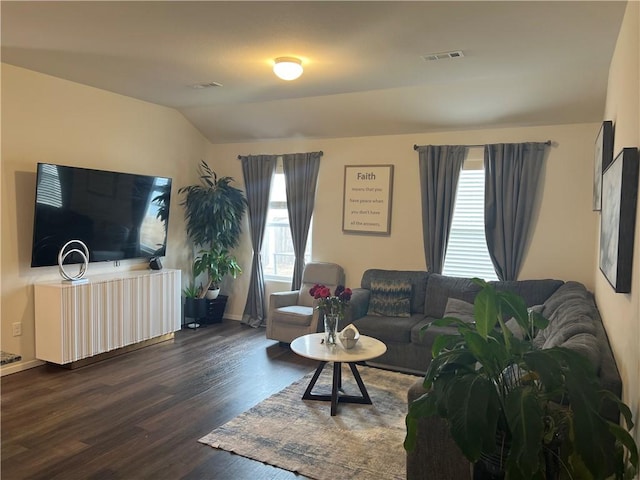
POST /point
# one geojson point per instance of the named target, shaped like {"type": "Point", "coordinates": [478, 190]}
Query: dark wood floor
{"type": "Point", "coordinates": [139, 415]}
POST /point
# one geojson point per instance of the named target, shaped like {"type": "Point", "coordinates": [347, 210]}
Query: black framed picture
{"type": "Point", "coordinates": [603, 157]}
{"type": "Point", "coordinates": [618, 218]}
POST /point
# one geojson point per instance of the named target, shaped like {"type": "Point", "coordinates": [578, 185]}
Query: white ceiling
{"type": "Point", "coordinates": [525, 63]}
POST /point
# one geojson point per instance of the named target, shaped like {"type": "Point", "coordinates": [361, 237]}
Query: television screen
{"type": "Point", "coordinates": [117, 215]}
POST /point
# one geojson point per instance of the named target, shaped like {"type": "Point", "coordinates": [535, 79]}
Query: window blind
{"type": "Point", "coordinates": [467, 254]}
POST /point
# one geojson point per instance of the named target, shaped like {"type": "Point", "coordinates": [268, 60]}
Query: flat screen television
{"type": "Point", "coordinates": [118, 216]}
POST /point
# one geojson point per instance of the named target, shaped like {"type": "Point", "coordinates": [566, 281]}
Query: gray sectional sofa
{"type": "Point", "coordinates": [430, 294]}
{"type": "Point", "coordinates": [574, 322]}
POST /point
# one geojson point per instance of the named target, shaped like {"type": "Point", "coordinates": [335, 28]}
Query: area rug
{"type": "Point", "coordinates": [360, 442]}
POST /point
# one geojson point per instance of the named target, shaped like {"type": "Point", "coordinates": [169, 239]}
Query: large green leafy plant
{"type": "Point", "coordinates": [213, 214]}
{"type": "Point", "coordinates": [216, 263]}
{"type": "Point", "coordinates": [214, 210]}
{"type": "Point", "coordinates": [537, 408]}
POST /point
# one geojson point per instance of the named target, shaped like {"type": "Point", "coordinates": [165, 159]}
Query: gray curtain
{"type": "Point", "coordinates": [258, 172]}
{"type": "Point", "coordinates": [300, 174]}
{"type": "Point", "coordinates": [440, 167]}
{"type": "Point", "coordinates": [512, 172]}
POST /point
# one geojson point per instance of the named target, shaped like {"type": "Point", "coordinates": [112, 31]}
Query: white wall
{"type": "Point", "coordinates": [564, 231]}
{"type": "Point", "coordinates": [46, 119]}
{"type": "Point", "coordinates": [621, 312]}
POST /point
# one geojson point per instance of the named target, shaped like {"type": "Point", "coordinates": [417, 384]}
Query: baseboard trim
{"type": "Point", "coordinates": [21, 366]}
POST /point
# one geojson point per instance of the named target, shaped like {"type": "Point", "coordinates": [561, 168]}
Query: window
{"type": "Point", "coordinates": [467, 254]}
{"type": "Point", "coordinates": [278, 257]}
{"type": "Point", "coordinates": [49, 190]}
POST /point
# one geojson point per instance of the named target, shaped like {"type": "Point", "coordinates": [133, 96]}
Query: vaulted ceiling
{"type": "Point", "coordinates": [524, 63]}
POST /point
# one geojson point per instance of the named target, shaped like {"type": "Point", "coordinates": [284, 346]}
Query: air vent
{"type": "Point", "coordinates": [198, 86]}
{"type": "Point", "coordinates": [443, 55]}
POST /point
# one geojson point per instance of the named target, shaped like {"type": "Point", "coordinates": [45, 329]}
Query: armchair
{"type": "Point", "coordinates": [292, 314]}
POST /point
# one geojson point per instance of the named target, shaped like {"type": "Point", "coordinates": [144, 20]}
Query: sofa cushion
{"type": "Point", "coordinates": [570, 299]}
{"type": "Point", "coordinates": [418, 280]}
{"type": "Point", "coordinates": [440, 288]}
{"type": "Point", "coordinates": [426, 337]}
{"type": "Point", "coordinates": [396, 331]}
{"type": "Point", "coordinates": [534, 292]}
{"type": "Point", "coordinates": [516, 330]}
{"type": "Point", "coordinates": [513, 325]}
{"type": "Point", "coordinates": [295, 314]}
{"type": "Point", "coordinates": [571, 295]}
{"type": "Point", "coordinates": [574, 322]}
{"type": "Point", "coordinates": [585, 344]}
{"type": "Point", "coordinates": [325, 273]}
{"type": "Point", "coordinates": [390, 298]}
{"type": "Point", "coordinates": [459, 309]}
{"type": "Point", "coordinates": [304, 297]}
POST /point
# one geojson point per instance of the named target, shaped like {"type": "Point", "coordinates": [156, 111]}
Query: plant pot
{"type": "Point", "coordinates": [195, 307]}
{"type": "Point", "coordinates": [488, 469]}
{"type": "Point", "coordinates": [491, 466]}
{"type": "Point", "coordinates": [212, 293]}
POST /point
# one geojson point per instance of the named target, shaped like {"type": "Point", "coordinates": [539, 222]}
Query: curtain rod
{"type": "Point", "coordinates": [416, 147]}
{"type": "Point", "coordinates": [281, 154]}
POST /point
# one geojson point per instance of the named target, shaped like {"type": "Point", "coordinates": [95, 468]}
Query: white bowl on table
{"type": "Point", "coordinates": [349, 336]}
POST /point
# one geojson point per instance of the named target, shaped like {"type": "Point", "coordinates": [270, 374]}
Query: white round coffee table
{"type": "Point", "coordinates": [313, 346]}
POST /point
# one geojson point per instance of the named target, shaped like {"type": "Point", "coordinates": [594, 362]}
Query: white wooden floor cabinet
{"type": "Point", "coordinates": [77, 321]}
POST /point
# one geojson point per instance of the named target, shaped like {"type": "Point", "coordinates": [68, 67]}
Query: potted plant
{"type": "Point", "coordinates": [195, 306]}
{"type": "Point", "coordinates": [216, 263]}
{"type": "Point", "coordinates": [213, 213]}
{"type": "Point", "coordinates": [536, 409]}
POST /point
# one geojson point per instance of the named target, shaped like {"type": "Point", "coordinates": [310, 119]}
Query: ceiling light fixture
{"type": "Point", "coordinates": [287, 68]}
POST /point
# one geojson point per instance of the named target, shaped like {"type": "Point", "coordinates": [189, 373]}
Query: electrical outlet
{"type": "Point", "coordinates": [17, 329]}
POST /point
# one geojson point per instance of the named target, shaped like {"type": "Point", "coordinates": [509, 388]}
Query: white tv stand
{"type": "Point", "coordinates": [77, 321]}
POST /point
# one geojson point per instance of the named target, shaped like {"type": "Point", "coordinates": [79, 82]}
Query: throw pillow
{"type": "Point", "coordinates": [516, 329]}
{"type": "Point", "coordinates": [390, 298]}
{"type": "Point", "coordinates": [459, 309]}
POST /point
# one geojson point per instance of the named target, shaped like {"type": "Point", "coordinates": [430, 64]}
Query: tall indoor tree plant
{"type": "Point", "coordinates": [537, 409]}
{"type": "Point", "coordinates": [213, 214]}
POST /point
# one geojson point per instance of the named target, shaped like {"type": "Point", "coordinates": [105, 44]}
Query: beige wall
{"type": "Point", "coordinates": [621, 312]}
{"type": "Point", "coordinates": [46, 119]}
{"type": "Point", "coordinates": [564, 231]}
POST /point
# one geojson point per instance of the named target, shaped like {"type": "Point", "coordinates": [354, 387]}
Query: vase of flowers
{"type": "Point", "coordinates": [332, 306]}
{"type": "Point", "coordinates": [331, 328]}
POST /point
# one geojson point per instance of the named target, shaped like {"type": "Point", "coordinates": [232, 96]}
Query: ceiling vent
{"type": "Point", "coordinates": [443, 55]}
{"type": "Point", "coordinates": [198, 86]}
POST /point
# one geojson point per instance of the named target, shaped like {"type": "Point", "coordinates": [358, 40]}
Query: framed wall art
{"type": "Point", "coordinates": [366, 207]}
{"type": "Point", "coordinates": [603, 157]}
{"type": "Point", "coordinates": [617, 219]}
